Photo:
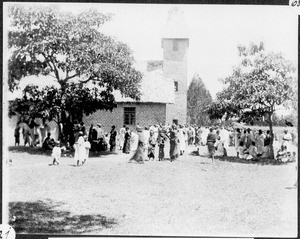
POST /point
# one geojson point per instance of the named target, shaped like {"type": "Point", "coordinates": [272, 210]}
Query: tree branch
{"type": "Point", "coordinates": [70, 77]}
{"type": "Point", "coordinates": [55, 68]}
{"type": "Point", "coordinates": [86, 81]}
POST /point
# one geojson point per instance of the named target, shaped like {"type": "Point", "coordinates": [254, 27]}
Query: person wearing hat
{"type": "Point", "coordinates": [80, 150]}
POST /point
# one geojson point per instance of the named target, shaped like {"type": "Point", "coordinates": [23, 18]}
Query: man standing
{"type": "Point", "coordinates": [287, 140]}
{"type": "Point", "coordinates": [17, 134]}
{"type": "Point", "coordinates": [190, 136]}
{"type": "Point", "coordinates": [210, 142]}
{"type": "Point", "coordinates": [112, 139]}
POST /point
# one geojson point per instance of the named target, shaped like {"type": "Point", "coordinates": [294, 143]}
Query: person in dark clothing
{"type": "Point", "coordinates": [161, 144]}
{"type": "Point", "coordinates": [112, 139]}
{"type": "Point", "coordinates": [83, 128]}
{"type": "Point", "coordinates": [69, 132]}
{"type": "Point", "coordinates": [48, 143]}
{"type": "Point", "coordinates": [210, 142]}
{"type": "Point", "coordinates": [92, 133]}
{"type": "Point", "coordinates": [151, 147]}
{"type": "Point", "coordinates": [17, 134]}
{"type": "Point", "coordinates": [126, 147]}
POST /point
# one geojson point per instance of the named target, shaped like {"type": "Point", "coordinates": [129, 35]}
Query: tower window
{"type": "Point", "coordinates": [176, 86]}
{"type": "Point", "coordinates": [175, 45]}
{"type": "Point", "coordinates": [129, 115]}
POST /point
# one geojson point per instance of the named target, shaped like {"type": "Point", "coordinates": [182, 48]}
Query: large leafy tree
{"type": "Point", "coordinates": [198, 101]}
{"type": "Point", "coordinates": [260, 83]}
{"type": "Point", "coordinates": [86, 65]}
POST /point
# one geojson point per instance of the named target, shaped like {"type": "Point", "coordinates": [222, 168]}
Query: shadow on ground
{"type": "Point", "coordinates": [43, 217]}
{"type": "Point", "coordinates": [41, 151]}
{"type": "Point", "coordinates": [232, 159]}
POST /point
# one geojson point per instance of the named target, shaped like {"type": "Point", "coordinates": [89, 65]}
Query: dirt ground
{"type": "Point", "coordinates": [188, 197]}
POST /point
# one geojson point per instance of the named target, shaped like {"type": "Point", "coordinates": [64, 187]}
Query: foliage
{"type": "Point", "coordinates": [50, 101]}
{"type": "Point", "coordinates": [72, 50]}
{"type": "Point", "coordinates": [198, 101]}
{"type": "Point", "coordinates": [260, 83]}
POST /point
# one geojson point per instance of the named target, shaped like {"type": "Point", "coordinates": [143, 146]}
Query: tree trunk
{"type": "Point", "coordinates": [272, 136]}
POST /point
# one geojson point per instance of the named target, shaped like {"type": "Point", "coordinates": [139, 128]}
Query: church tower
{"type": "Point", "coordinates": [175, 43]}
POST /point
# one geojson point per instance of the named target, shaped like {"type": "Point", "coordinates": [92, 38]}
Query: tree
{"type": "Point", "coordinates": [198, 101]}
{"type": "Point", "coordinates": [260, 83]}
{"type": "Point", "coordinates": [87, 65]}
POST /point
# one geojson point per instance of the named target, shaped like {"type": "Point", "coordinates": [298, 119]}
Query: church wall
{"type": "Point", "coordinates": [146, 114]}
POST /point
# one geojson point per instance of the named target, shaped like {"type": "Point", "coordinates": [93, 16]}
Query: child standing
{"type": "Point", "coordinates": [87, 146]}
{"type": "Point", "coordinates": [56, 153]}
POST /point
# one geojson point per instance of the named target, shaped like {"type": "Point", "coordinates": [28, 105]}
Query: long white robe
{"type": "Point", "coordinates": [122, 137]}
{"type": "Point", "coordinates": [224, 134]}
{"type": "Point", "coordinates": [134, 141]}
{"type": "Point", "coordinates": [80, 151]}
{"type": "Point", "coordinates": [181, 137]}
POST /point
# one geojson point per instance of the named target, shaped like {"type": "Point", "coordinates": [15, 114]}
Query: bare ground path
{"type": "Point", "coordinates": [190, 196]}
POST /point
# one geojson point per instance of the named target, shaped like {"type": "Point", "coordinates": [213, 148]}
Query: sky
{"type": "Point", "coordinates": [215, 31]}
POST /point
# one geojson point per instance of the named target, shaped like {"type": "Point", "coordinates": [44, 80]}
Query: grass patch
{"type": "Point", "coordinates": [44, 217]}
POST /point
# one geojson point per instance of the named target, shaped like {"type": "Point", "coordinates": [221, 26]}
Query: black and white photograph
{"type": "Point", "coordinates": [127, 119]}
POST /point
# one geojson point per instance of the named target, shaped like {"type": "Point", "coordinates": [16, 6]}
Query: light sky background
{"type": "Point", "coordinates": [215, 31]}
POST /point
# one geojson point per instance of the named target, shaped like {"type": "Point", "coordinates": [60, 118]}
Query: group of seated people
{"type": "Point", "coordinates": [98, 145]}
{"type": "Point", "coordinates": [247, 153]}
{"type": "Point", "coordinates": [98, 141]}
{"type": "Point", "coordinates": [283, 155]}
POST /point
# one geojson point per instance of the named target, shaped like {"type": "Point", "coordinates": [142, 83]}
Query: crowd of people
{"type": "Point", "coordinates": [248, 144]}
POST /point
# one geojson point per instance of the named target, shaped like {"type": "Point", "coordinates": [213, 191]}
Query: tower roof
{"type": "Point", "coordinates": [175, 26]}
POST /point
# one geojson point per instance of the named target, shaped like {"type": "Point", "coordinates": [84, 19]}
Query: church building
{"type": "Point", "coordinates": [163, 86]}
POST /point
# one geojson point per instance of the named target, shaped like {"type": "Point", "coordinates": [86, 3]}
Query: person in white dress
{"type": "Point", "coordinates": [56, 153]}
{"type": "Point", "coordinates": [204, 135]}
{"type": "Point", "coordinates": [133, 141]}
{"type": "Point", "coordinates": [219, 145]}
{"type": "Point", "coordinates": [87, 146]}
{"type": "Point", "coordinates": [79, 149]}
{"type": "Point", "coordinates": [122, 137]}
{"type": "Point", "coordinates": [241, 151]}
{"type": "Point", "coordinates": [181, 137]}
{"type": "Point", "coordinates": [225, 138]}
